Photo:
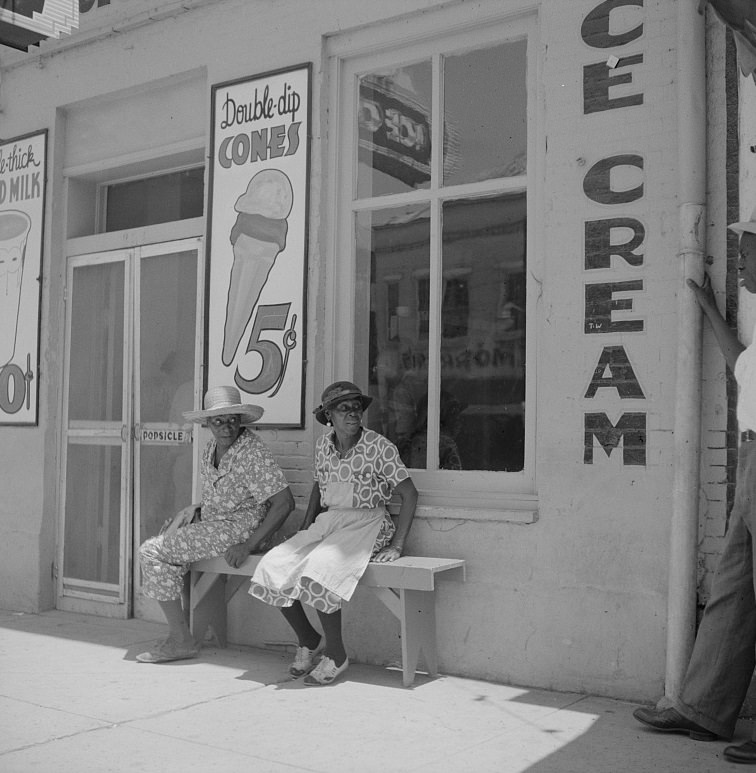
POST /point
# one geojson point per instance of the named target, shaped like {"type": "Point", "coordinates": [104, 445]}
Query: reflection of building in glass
{"type": "Point", "coordinates": [482, 333]}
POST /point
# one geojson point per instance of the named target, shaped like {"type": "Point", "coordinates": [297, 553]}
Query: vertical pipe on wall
{"type": "Point", "coordinates": [691, 127]}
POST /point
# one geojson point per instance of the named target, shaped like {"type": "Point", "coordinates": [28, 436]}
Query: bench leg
{"type": "Point", "coordinates": [418, 619]}
{"type": "Point", "coordinates": [208, 606]}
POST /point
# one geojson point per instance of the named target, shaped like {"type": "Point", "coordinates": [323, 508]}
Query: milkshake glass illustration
{"type": "Point", "coordinates": [258, 236]}
{"type": "Point", "coordinates": [14, 230]}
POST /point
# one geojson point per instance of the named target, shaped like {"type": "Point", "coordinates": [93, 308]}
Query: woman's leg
{"type": "Point", "coordinates": [165, 560]}
{"type": "Point", "coordinates": [296, 617]}
{"type": "Point", "coordinates": [334, 646]}
{"type": "Point", "coordinates": [178, 630]}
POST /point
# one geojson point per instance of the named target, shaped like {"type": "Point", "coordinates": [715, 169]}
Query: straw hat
{"type": "Point", "coordinates": [745, 226]}
{"type": "Point", "coordinates": [334, 394]}
{"type": "Point", "coordinates": [222, 401]}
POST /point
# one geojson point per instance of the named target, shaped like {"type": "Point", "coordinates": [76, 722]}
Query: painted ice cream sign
{"type": "Point", "coordinates": [257, 240]}
{"type": "Point", "coordinates": [22, 206]}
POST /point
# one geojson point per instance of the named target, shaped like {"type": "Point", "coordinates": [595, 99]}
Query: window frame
{"type": "Point", "coordinates": [394, 44]}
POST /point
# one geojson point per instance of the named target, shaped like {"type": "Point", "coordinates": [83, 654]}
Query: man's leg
{"type": "Point", "coordinates": [722, 662]}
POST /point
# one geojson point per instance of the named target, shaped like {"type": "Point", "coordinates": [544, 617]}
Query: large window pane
{"type": "Point", "coordinates": [441, 280]}
{"type": "Point", "coordinates": [485, 116]}
{"type": "Point", "coordinates": [93, 513]}
{"type": "Point", "coordinates": [394, 131]}
{"type": "Point", "coordinates": [158, 199]}
{"type": "Point", "coordinates": [168, 288]}
{"type": "Point", "coordinates": [393, 258]}
{"type": "Point", "coordinates": [96, 377]}
{"type": "Point", "coordinates": [481, 404]}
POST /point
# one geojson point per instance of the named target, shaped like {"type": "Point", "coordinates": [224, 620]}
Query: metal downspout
{"type": "Point", "coordinates": [691, 162]}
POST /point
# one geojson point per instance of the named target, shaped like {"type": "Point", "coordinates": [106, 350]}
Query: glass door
{"type": "Point", "coordinates": [167, 344]}
{"type": "Point", "coordinates": [97, 417]}
{"type": "Point", "coordinates": [132, 345]}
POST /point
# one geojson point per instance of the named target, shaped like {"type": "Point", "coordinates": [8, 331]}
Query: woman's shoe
{"type": "Point", "coordinates": [168, 651]}
{"type": "Point", "coordinates": [304, 661]}
{"type": "Point", "coordinates": [325, 672]}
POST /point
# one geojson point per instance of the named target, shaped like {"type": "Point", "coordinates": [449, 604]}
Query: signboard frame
{"type": "Point", "coordinates": [257, 240]}
{"type": "Point", "coordinates": [23, 195]}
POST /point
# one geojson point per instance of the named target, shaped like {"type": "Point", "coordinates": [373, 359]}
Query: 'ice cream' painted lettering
{"type": "Point", "coordinates": [613, 369]}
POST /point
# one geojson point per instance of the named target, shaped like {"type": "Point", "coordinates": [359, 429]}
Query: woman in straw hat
{"type": "Point", "coordinates": [346, 525]}
{"type": "Point", "coordinates": [245, 499]}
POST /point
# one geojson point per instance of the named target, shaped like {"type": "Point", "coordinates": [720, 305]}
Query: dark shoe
{"type": "Point", "coordinates": [671, 721]}
{"type": "Point", "coordinates": [745, 753]}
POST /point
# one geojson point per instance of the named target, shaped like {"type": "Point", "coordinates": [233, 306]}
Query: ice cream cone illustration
{"type": "Point", "coordinates": [258, 236]}
{"type": "Point", "coordinates": [14, 230]}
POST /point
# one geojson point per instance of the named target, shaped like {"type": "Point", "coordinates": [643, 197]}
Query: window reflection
{"type": "Point", "coordinates": [458, 254]}
{"type": "Point", "coordinates": [485, 107]}
{"type": "Point", "coordinates": [481, 410]}
{"type": "Point", "coordinates": [482, 348]}
{"type": "Point", "coordinates": [394, 131]}
{"type": "Point", "coordinates": [393, 252]}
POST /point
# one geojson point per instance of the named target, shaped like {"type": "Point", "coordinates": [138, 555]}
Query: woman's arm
{"type": "Point", "coordinates": [181, 519]}
{"type": "Point", "coordinates": [281, 504]}
{"type": "Point", "coordinates": [407, 492]}
{"type": "Point", "coordinates": [314, 508]}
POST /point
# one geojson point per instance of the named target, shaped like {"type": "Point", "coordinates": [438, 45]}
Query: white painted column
{"type": "Point", "coordinates": [691, 95]}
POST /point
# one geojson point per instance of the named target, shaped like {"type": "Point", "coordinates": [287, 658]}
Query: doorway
{"type": "Point", "coordinates": [133, 319]}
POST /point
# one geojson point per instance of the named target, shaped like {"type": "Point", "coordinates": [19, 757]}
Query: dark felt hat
{"type": "Point", "coordinates": [334, 394]}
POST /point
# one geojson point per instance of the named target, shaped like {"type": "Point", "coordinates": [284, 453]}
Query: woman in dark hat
{"type": "Point", "coordinates": [346, 525]}
{"type": "Point", "coordinates": [245, 499]}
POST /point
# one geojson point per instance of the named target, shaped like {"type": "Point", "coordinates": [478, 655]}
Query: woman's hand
{"type": "Point", "coordinates": [388, 554]}
{"type": "Point", "coordinates": [182, 518]}
{"type": "Point", "coordinates": [236, 555]}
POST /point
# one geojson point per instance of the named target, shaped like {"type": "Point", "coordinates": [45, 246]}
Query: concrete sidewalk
{"type": "Point", "coordinates": [72, 698]}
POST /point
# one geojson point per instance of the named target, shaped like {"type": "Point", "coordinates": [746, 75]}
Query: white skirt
{"type": "Point", "coordinates": [334, 552]}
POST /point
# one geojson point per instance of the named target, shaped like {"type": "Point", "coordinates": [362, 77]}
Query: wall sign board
{"type": "Point", "coordinates": [22, 209]}
{"type": "Point", "coordinates": [257, 240]}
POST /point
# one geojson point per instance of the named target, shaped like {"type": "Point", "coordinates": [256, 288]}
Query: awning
{"type": "Point", "coordinates": [25, 23]}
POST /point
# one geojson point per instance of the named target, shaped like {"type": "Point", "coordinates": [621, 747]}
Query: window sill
{"type": "Point", "coordinates": [521, 509]}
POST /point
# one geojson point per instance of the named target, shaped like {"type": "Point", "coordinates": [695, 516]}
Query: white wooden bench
{"type": "Point", "coordinates": [406, 586]}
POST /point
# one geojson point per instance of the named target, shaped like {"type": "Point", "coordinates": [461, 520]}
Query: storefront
{"type": "Point", "coordinates": [482, 212]}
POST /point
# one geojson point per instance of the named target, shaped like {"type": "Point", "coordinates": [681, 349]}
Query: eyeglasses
{"type": "Point", "coordinates": [348, 408]}
{"type": "Point", "coordinates": [221, 421]}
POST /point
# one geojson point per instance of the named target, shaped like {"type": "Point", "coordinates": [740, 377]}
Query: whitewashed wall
{"type": "Point", "coordinates": [574, 601]}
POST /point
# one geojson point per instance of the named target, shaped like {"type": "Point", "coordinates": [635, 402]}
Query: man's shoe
{"type": "Point", "coordinates": [671, 721]}
{"type": "Point", "coordinates": [304, 661]}
{"type": "Point", "coordinates": [325, 672]}
{"type": "Point", "coordinates": [745, 753]}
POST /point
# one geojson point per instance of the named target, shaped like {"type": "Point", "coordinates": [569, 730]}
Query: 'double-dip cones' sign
{"type": "Point", "coordinates": [257, 240]}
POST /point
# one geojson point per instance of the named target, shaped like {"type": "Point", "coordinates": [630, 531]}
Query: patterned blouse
{"type": "Point", "coordinates": [373, 468]}
{"type": "Point", "coordinates": [247, 476]}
